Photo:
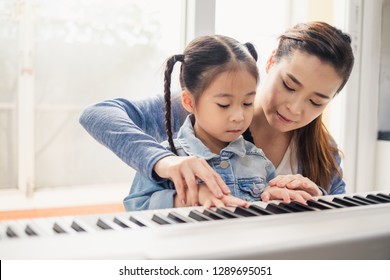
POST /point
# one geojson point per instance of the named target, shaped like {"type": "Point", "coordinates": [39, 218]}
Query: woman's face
{"type": "Point", "coordinates": [296, 90]}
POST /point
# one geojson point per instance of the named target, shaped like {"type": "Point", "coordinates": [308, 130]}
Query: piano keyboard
{"type": "Point", "coordinates": [355, 226]}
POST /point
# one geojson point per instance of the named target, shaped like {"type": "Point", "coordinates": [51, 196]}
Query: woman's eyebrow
{"type": "Point", "coordinates": [295, 80]}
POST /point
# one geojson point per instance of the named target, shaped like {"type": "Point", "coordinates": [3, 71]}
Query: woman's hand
{"type": "Point", "coordinates": [296, 182]}
{"type": "Point", "coordinates": [184, 172]}
{"type": "Point", "coordinates": [285, 194]}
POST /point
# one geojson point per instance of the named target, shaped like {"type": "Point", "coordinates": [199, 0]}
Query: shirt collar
{"type": "Point", "coordinates": [194, 147]}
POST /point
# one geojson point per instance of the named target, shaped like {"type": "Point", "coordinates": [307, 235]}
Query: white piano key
{"type": "Point", "coordinates": [17, 228]}
{"type": "Point", "coordinates": [107, 219]}
{"type": "Point", "coordinates": [88, 223]}
{"type": "Point", "coordinates": [125, 220]}
{"type": "Point", "coordinates": [3, 231]}
{"type": "Point", "coordinates": [144, 217]}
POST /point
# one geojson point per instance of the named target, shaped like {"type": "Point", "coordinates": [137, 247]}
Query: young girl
{"type": "Point", "coordinates": [219, 77]}
{"type": "Point", "coordinates": [311, 65]}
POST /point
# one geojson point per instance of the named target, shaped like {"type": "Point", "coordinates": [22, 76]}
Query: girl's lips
{"type": "Point", "coordinates": [283, 118]}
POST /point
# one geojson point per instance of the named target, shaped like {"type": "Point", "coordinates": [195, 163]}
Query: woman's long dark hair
{"type": "Point", "coordinates": [315, 147]}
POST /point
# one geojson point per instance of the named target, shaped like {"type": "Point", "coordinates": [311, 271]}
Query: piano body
{"type": "Point", "coordinates": [353, 226]}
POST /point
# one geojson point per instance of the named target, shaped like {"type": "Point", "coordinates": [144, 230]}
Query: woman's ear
{"type": "Point", "coordinates": [187, 101]}
{"type": "Point", "coordinates": [270, 61]}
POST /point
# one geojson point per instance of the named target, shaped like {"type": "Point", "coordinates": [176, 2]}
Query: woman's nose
{"type": "Point", "coordinates": [295, 106]}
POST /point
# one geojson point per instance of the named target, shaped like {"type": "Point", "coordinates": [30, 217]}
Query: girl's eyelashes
{"type": "Point", "coordinates": [248, 104]}
{"type": "Point", "coordinates": [222, 105]}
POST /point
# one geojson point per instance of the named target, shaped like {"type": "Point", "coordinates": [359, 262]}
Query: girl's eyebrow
{"type": "Point", "coordinates": [222, 94]}
{"type": "Point", "coordinates": [295, 80]}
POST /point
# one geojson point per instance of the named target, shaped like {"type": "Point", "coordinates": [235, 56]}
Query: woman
{"type": "Point", "coordinates": [311, 65]}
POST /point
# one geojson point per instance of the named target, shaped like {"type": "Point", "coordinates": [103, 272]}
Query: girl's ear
{"type": "Point", "coordinates": [187, 101]}
{"type": "Point", "coordinates": [270, 61]}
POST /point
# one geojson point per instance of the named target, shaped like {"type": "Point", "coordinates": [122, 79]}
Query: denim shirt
{"type": "Point", "coordinates": [243, 167]}
{"type": "Point", "coordinates": [132, 129]}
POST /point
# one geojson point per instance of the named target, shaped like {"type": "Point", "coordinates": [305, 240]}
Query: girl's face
{"type": "Point", "coordinates": [297, 90]}
{"type": "Point", "coordinates": [225, 109]}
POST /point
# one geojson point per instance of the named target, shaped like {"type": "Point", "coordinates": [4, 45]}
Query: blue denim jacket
{"type": "Point", "coordinates": [133, 130]}
{"type": "Point", "coordinates": [243, 167]}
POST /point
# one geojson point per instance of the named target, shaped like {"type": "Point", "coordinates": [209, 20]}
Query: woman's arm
{"type": "Point", "coordinates": [133, 129]}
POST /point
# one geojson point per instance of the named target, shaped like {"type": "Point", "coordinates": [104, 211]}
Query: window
{"type": "Point", "coordinates": [57, 57]}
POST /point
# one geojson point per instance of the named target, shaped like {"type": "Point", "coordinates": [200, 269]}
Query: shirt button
{"type": "Point", "coordinates": [256, 190]}
{"type": "Point", "coordinates": [224, 164]}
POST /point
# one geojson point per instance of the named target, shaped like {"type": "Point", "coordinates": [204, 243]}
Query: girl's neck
{"type": "Point", "coordinates": [273, 142]}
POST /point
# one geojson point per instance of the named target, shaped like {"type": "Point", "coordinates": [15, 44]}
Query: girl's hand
{"type": "Point", "coordinates": [207, 199]}
{"type": "Point", "coordinates": [296, 182]}
{"type": "Point", "coordinates": [285, 194]}
{"type": "Point", "coordinates": [184, 172]}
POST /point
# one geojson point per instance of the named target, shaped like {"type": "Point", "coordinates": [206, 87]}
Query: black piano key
{"type": "Point", "coordinates": [365, 199]}
{"type": "Point", "coordinates": [11, 233]}
{"type": "Point", "coordinates": [274, 208]}
{"type": "Point", "coordinates": [102, 224]}
{"type": "Point", "coordinates": [331, 203]}
{"type": "Point", "coordinates": [120, 223]}
{"type": "Point", "coordinates": [213, 215]}
{"type": "Point", "coordinates": [302, 206]}
{"type": "Point", "coordinates": [289, 207]}
{"type": "Point", "coordinates": [58, 229]}
{"type": "Point", "coordinates": [357, 201]}
{"type": "Point", "coordinates": [196, 215]}
{"type": "Point", "coordinates": [378, 198]}
{"type": "Point", "coordinates": [383, 195]}
{"type": "Point", "coordinates": [227, 213]}
{"type": "Point", "coordinates": [77, 227]}
{"type": "Point", "coordinates": [29, 231]}
{"type": "Point", "coordinates": [134, 220]}
{"type": "Point", "coordinates": [245, 212]}
{"type": "Point", "coordinates": [178, 218]}
{"type": "Point", "coordinates": [319, 205]}
{"type": "Point", "coordinates": [160, 219]}
{"type": "Point", "coordinates": [345, 202]}
{"type": "Point", "coordinates": [260, 210]}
